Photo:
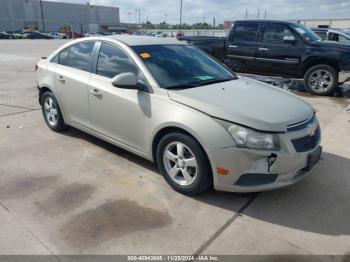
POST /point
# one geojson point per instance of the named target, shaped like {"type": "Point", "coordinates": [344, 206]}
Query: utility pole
{"type": "Point", "coordinates": [146, 24]}
{"type": "Point", "coordinates": [203, 19]}
{"type": "Point", "coordinates": [180, 13]}
{"type": "Point", "coordinates": [265, 14]}
{"type": "Point", "coordinates": [258, 13]}
{"type": "Point", "coordinates": [139, 16]}
{"type": "Point", "coordinates": [214, 22]}
{"type": "Point", "coordinates": [42, 15]}
{"type": "Point", "coordinates": [246, 13]}
{"type": "Point", "coordinates": [165, 16]}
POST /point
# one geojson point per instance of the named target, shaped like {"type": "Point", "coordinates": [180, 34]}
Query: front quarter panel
{"type": "Point", "coordinates": [167, 113]}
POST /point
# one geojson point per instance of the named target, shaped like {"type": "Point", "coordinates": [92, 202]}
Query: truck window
{"type": "Point", "coordinates": [344, 40]}
{"type": "Point", "coordinates": [245, 32]}
{"type": "Point", "coordinates": [274, 33]}
{"type": "Point", "coordinates": [322, 34]}
{"type": "Point", "coordinates": [333, 37]}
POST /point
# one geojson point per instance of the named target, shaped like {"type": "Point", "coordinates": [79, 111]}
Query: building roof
{"type": "Point", "coordinates": [135, 40]}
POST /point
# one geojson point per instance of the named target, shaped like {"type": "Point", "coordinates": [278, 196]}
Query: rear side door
{"type": "Point", "coordinates": [72, 76]}
{"type": "Point", "coordinates": [242, 46]}
{"type": "Point", "coordinates": [280, 51]}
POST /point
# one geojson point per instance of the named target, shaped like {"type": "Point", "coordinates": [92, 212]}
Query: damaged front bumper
{"type": "Point", "coordinates": [256, 170]}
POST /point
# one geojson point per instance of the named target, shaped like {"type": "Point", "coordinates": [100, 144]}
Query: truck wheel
{"type": "Point", "coordinates": [321, 80]}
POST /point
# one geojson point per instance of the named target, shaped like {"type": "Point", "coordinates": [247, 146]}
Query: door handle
{"type": "Point", "coordinates": [95, 92]}
{"type": "Point", "coordinates": [61, 79]}
{"type": "Point", "coordinates": [263, 49]}
{"type": "Point", "coordinates": [232, 46]}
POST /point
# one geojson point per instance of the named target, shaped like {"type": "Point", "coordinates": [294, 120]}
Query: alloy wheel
{"type": "Point", "coordinates": [180, 163]}
{"type": "Point", "coordinates": [50, 110]}
{"type": "Point", "coordinates": [320, 80]}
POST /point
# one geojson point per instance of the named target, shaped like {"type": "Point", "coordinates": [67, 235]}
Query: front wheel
{"type": "Point", "coordinates": [184, 164]}
{"type": "Point", "coordinates": [321, 80]}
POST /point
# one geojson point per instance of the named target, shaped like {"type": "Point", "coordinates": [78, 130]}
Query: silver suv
{"type": "Point", "coordinates": [169, 102]}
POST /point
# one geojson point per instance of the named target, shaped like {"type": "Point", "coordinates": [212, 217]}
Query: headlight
{"type": "Point", "coordinates": [249, 138]}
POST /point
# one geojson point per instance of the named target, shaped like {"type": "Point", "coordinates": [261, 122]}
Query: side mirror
{"type": "Point", "coordinates": [125, 80]}
{"type": "Point", "coordinates": [289, 39]}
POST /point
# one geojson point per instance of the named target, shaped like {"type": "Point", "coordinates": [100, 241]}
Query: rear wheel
{"type": "Point", "coordinates": [184, 164]}
{"type": "Point", "coordinates": [321, 80]}
{"type": "Point", "coordinates": [52, 112]}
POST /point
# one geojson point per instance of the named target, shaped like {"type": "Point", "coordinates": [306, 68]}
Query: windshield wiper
{"type": "Point", "coordinates": [183, 86]}
{"type": "Point", "coordinates": [214, 81]}
{"type": "Point", "coordinates": [199, 83]}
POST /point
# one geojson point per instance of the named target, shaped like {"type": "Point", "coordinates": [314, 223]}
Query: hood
{"type": "Point", "coordinates": [247, 102]}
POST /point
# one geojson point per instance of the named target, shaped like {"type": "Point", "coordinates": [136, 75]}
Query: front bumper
{"type": "Point", "coordinates": [344, 76]}
{"type": "Point", "coordinates": [252, 171]}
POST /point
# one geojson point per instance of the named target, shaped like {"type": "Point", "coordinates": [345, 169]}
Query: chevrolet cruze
{"type": "Point", "coordinates": [169, 102]}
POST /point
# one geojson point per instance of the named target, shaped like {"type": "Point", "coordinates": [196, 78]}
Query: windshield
{"type": "Point", "coordinates": [182, 66]}
{"type": "Point", "coordinates": [346, 32]}
{"type": "Point", "coordinates": [306, 33]}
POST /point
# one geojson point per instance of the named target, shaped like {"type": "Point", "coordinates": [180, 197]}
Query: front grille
{"type": "Point", "coordinates": [300, 125]}
{"type": "Point", "coordinates": [307, 143]}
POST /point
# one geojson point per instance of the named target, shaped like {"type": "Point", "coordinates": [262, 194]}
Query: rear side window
{"type": "Point", "coordinates": [245, 32]}
{"type": "Point", "coordinates": [274, 33]}
{"type": "Point", "coordinates": [113, 61]}
{"type": "Point", "coordinates": [80, 56]}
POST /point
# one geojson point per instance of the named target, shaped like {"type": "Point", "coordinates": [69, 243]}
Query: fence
{"type": "Point", "coordinates": [194, 32]}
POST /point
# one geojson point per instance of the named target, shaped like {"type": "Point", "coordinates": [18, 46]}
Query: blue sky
{"type": "Point", "coordinates": [194, 10]}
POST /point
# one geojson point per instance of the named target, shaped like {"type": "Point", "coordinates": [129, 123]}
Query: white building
{"type": "Point", "coordinates": [334, 23]}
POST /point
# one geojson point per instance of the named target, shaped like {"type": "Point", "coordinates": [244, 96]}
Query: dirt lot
{"type": "Point", "coordinates": [71, 193]}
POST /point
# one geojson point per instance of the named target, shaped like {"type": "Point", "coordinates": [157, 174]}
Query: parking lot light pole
{"type": "Point", "coordinates": [180, 13]}
{"type": "Point", "coordinates": [42, 15]}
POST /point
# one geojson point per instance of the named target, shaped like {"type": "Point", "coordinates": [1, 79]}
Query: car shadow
{"type": "Point", "coordinates": [343, 91]}
{"type": "Point", "coordinates": [75, 133]}
{"type": "Point", "coordinates": [320, 203]}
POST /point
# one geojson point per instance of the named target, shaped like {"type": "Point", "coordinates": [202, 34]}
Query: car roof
{"type": "Point", "coordinates": [135, 40]}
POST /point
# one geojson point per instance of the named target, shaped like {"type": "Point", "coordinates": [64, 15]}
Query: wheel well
{"type": "Point", "coordinates": [167, 130]}
{"type": "Point", "coordinates": [321, 61]}
{"type": "Point", "coordinates": [42, 90]}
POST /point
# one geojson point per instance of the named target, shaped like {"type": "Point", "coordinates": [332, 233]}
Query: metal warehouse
{"type": "Point", "coordinates": [48, 16]}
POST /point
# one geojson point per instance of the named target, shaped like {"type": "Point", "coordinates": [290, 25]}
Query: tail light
{"type": "Point", "coordinates": [36, 68]}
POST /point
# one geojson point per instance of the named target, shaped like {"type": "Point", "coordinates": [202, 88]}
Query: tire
{"type": "Point", "coordinates": [199, 174]}
{"type": "Point", "coordinates": [52, 112]}
{"type": "Point", "coordinates": [321, 80]}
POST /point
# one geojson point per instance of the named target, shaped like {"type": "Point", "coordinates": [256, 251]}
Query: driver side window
{"type": "Point", "coordinates": [113, 61]}
{"type": "Point", "coordinates": [274, 33]}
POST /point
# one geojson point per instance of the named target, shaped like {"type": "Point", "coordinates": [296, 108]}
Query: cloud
{"type": "Point", "coordinates": [197, 10]}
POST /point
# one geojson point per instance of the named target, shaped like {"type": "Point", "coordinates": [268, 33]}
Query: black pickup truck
{"type": "Point", "coordinates": [284, 49]}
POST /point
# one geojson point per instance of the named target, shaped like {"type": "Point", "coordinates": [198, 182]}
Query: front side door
{"type": "Point", "coordinates": [278, 54]}
{"type": "Point", "coordinates": [242, 47]}
{"type": "Point", "coordinates": [72, 75]}
{"type": "Point", "coordinates": [119, 114]}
